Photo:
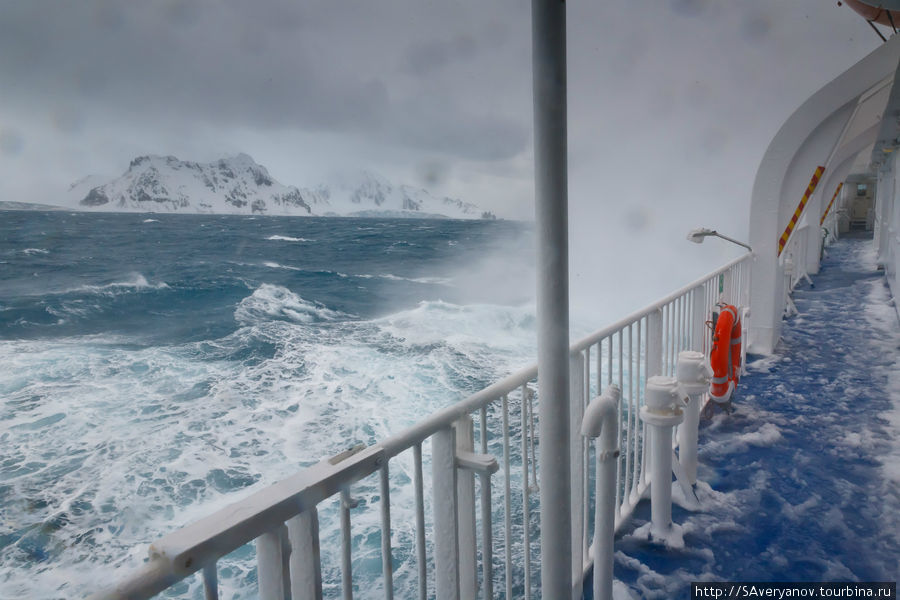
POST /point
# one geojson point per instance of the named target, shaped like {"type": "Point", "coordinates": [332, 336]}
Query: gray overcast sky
{"type": "Point", "coordinates": [671, 102]}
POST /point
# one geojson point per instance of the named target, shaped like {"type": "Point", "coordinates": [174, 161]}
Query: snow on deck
{"type": "Point", "coordinates": [802, 481]}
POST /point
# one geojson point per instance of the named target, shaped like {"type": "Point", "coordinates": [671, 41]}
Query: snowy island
{"type": "Point", "coordinates": [238, 185]}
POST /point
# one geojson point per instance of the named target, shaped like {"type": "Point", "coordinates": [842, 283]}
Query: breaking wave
{"type": "Point", "coordinates": [136, 282]}
{"type": "Point", "coordinates": [274, 302]}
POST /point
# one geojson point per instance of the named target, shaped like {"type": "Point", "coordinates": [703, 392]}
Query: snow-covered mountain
{"type": "Point", "coordinates": [239, 185]}
{"type": "Point", "coordinates": [367, 194]}
{"type": "Point", "coordinates": [234, 185]}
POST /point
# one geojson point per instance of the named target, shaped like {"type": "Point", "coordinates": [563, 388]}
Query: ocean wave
{"type": "Point", "coordinates": [392, 277]}
{"type": "Point", "coordinates": [33, 251]}
{"type": "Point", "coordinates": [425, 280]}
{"type": "Point", "coordinates": [212, 424]}
{"type": "Point", "coordinates": [275, 265]}
{"type": "Point", "coordinates": [274, 302]}
{"type": "Point", "coordinates": [137, 282]}
{"type": "Point", "coordinates": [150, 221]}
{"type": "Point", "coordinates": [285, 238]}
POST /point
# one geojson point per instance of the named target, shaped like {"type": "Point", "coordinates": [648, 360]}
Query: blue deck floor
{"type": "Point", "coordinates": [799, 483]}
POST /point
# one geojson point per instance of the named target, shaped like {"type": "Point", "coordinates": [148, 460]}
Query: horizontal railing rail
{"type": "Point", "coordinates": [492, 433]}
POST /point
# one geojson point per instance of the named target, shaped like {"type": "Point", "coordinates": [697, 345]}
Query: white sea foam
{"type": "Point", "coordinates": [270, 302]}
{"type": "Point", "coordinates": [136, 282]}
{"type": "Point", "coordinates": [285, 238]}
{"type": "Point", "coordinates": [195, 420]}
{"type": "Point", "coordinates": [275, 265]}
{"type": "Point", "coordinates": [150, 221]}
{"type": "Point", "coordinates": [425, 280]}
{"type": "Point", "coordinates": [33, 251]}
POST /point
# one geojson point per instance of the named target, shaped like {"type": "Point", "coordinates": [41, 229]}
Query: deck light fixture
{"type": "Point", "coordinates": [697, 236]}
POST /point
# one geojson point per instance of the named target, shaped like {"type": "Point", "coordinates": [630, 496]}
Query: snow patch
{"type": "Point", "coordinates": [673, 538]}
{"type": "Point", "coordinates": [764, 364]}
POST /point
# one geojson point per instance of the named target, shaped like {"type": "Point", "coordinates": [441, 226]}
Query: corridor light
{"type": "Point", "coordinates": [697, 236]}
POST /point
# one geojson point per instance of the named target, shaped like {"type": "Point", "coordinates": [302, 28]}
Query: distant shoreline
{"type": "Point", "coordinates": [7, 205]}
{"type": "Point", "coordinates": [364, 214]}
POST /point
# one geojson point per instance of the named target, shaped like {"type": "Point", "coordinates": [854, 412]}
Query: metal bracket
{"type": "Point", "coordinates": [479, 463]}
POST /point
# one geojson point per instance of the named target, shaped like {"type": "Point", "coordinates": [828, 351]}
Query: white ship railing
{"type": "Point", "coordinates": [795, 264]}
{"type": "Point", "coordinates": [500, 421]}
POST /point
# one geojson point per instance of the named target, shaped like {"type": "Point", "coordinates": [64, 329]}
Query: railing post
{"type": "Point", "coordinates": [576, 454]}
{"type": "Point", "coordinates": [654, 343]}
{"type": "Point", "coordinates": [465, 486]}
{"type": "Point", "coordinates": [210, 582]}
{"type": "Point", "coordinates": [698, 316]}
{"type": "Point", "coordinates": [484, 465]}
{"type": "Point", "coordinates": [600, 421]}
{"type": "Point", "coordinates": [661, 412]}
{"type": "Point", "coordinates": [306, 568]}
{"type": "Point", "coordinates": [270, 564]}
{"type": "Point", "coordinates": [446, 526]}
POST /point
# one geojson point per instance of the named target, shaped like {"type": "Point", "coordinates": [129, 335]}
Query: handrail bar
{"type": "Point", "coordinates": [595, 337]}
{"type": "Point", "coordinates": [188, 549]}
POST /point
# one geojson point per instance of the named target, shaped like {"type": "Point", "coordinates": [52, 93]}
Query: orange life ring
{"type": "Point", "coordinates": [725, 356]}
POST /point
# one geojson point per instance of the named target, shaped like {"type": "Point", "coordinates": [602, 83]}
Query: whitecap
{"type": "Point", "coordinates": [285, 238]}
{"type": "Point", "coordinates": [274, 302]}
{"type": "Point", "coordinates": [33, 251]}
{"type": "Point", "coordinates": [151, 220]}
{"type": "Point", "coordinates": [424, 280]}
{"type": "Point", "coordinates": [137, 282]}
{"type": "Point", "coordinates": [275, 265]}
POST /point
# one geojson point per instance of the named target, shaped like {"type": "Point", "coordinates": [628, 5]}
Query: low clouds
{"type": "Point", "coordinates": [439, 93]}
{"type": "Point", "coordinates": [307, 66]}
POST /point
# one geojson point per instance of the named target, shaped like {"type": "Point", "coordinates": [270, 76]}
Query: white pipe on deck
{"type": "Point", "coordinates": [693, 373]}
{"type": "Point", "coordinates": [662, 411]}
{"type": "Point", "coordinates": [601, 422]}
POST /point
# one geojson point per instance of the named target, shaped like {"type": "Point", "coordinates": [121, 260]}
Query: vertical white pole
{"type": "Point", "coordinates": [465, 486]}
{"type": "Point", "coordinates": [661, 480]}
{"type": "Point", "coordinates": [306, 571]}
{"type": "Point", "coordinates": [346, 551]}
{"type": "Point", "coordinates": [551, 216]}
{"type": "Point", "coordinates": [387, 567]}
{"type": "Point", "coordinates": [576, 413]}
{"type": "Point", "coordinates": [693, 375]}
{"type": "Point", "coordinates": [687, 438]}
{"type": "Point", "coordinates": [446, 531]}
{"type": "Point", "coordinates": [698, 316]}
{"type": "Point", "coordinates": [270, 565]}
{"type": "Point", "coordinates": [661, 413]}
{"type": "Point", "coordinates": [654, 343]}
{"type": "Point", "coordinates": [210, 582]}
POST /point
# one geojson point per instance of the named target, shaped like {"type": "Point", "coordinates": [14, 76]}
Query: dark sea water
{"type": "Point", "coordinates": [157, 367]}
